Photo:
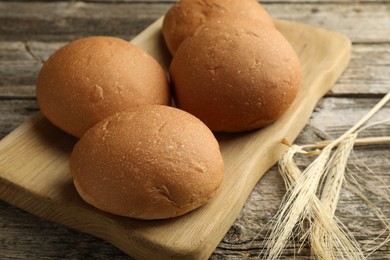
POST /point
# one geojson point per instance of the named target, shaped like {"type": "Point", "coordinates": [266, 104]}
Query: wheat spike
{"type": "Point", "coordinates": [296, 206]}
{"type": "Point", "coordinates": [300, 203]}
{"type": "Point", "coordinates": [335, 174]}
{"type": "Point", "coordinates": [329, 241]}
{"type": "Point", "coordinates": [319, 218]}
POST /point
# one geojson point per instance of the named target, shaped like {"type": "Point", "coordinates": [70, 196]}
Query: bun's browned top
{"type": "Point", "coordinates": [150, 163]}
{"type": "Point", "coordinates": [92, 78]}
{"type": "Point", "coordinates": [183, 18]}
{"type": "Point", "coordinates": [235, 75]}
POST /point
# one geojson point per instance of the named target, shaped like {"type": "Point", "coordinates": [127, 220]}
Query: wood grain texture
{"type": "Point", "coordinates": [69, 20]}
{"type": "Point", "coordinates": [24, 236]}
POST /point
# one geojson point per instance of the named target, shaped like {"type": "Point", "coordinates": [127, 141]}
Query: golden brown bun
{"type": "Point", "coordinates": [151, 163]}
{"type": "Point", "coordinates": [235, 75]}
{"type": "Point", "coordinates": [183, 18]}
{"type": "Point", "coordinates": [92, 78]}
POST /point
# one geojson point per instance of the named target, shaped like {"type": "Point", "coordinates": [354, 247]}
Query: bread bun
{"type": "Point", "coordinates": [154, 162]}
{"type": "Point", "coordinates": [235, 75]}
{"type": "Point", "coordinates": [183, 18]}
{"type": "Point", "coordinates": [92, 78]}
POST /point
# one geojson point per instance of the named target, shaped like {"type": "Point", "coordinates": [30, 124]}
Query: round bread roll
{"type": "Point", "coordinates": [235, 75]}
{"type": "Point", "coordinates": [183, 18]}
{"type": "Point", "coordinates": [154, 162]}
{"type": "Point", "coordinates": [92, 78]}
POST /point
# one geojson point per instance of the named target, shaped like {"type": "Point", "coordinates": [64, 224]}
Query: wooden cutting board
{"type": "Point", "coordinates": [34, 173]}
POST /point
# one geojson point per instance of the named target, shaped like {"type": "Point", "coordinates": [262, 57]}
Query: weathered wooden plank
{"type": "Point", "coordinates": [63, 21]}
{"type": "Point", "coordinates": [334, 116]}
{"type": "Point", "coordinates": [17, 92]}
{"type": "Point", "coordinates": [15, 112]}
{"type": "Point", "coordinates": [20, 63]}
{"type": "Point", "coordinates": [14, 51]}
{"type": "Point", "coordinates": [362, 22]}
{"type": "Point", "coordinates": [42, 235]}
{"type": "Point", "coordinates": [43, 50]}
{"type": "Point", "coordinates": [17, 65]}
{"type": "Point", "coordinates": [368, 71]}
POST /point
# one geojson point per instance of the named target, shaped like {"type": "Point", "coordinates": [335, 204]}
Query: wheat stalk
{"type": "Point", "coordinates": [296, 206]}
{"type": "Point", "coordinates": [358, 141]}
{"type": "Point", "coordinates": [335, 174]}
{"type": "Point", "coordinates": [301, 203]}
{"type": "Point", "coordinates": [323, 227]}
{"type": "Point", "coordinates": [325, 243]}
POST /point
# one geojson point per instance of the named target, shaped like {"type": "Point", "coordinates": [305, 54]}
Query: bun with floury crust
{"type": "Point", "coordinates": [154, 162]}
{"type": "Point", "coordinates": [183, 18]}
{"type": "Point", "coordinates": [92, 78]}
{"type": "Point", "coordinates": [235, 75]}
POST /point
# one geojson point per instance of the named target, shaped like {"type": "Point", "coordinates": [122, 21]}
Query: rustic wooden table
{"type": "Point", "coordinates": [31, 30]}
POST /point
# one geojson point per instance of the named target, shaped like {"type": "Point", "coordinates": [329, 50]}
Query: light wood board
{"type": "Point", "coordinates": [34, 172]}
